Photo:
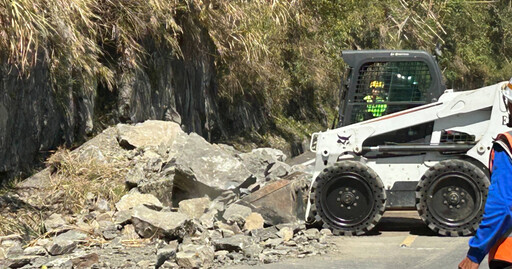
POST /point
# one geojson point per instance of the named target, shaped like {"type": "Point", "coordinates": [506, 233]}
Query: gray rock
{"type": "Point", "coordinates": [166, 253]}
{"type": "Point", "coordinates": [278, 169]}
{"type": "Point", "coordinates": [204, 169]}
{"type": "Point", "coordinates": [134, 199]}
{"type": "Point", "coordinates": [233, 243]}
{"type": "Point", "coordinates": [281, 201]}
{"type": "Point", "coordinates": [129, 233]}
{"type": "Point", "coordinates": [64, 263]}
{"type": "Point", "coordinates": [108, 229]}
{"type": "Point", "coordinates": [123, 217]}
{"type": "Point", "coordinates": [265, 233]}
{"type": "Point", "coordinates": [135, 175]}
{"type": "Point", "coordinates": [161, 188]}
{"type": "Point", "coordinates": [194, 208]}
{"type": "Point", "coordinates": [237, 213]}
{"type": "Point", "coordinates": [326, 232]}
{"type": "Point", "coordinates": [286, 233]}
{"type": "Point", "coordinates": [85, 261]}
{"type": "Point", "coordinates": [149, 223]}
{"type": "Point", "coordinates": [65, 242]}
{"type": "Point", "coordinates": [150, 133]}
{"type": "Point", "coordinates": [294, 226]}
{"type": "Point", "coordinates": [34, 251]}
{"type": "Point", "coordinates": [252, 251]}
{"type": "Point", "coordinates": [18, 262]}
{"type": "Point", "coordinates": [253, 221]}
{"type": "Point", "coordinates": [208, 219]}
{"type": "Point", "coordinates": [195, 256]}
{"type": "Point", "coordinates": [53, 222]}
{"type": "Point", "coordinates": [102, 206]}
{"type": "Point", "coordinates": [272, 242]}
{"type": "Point", "coordinates": [312, 234]}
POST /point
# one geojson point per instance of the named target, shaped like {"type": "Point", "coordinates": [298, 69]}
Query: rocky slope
{"type": "Point", "coordinates": [184, 203]}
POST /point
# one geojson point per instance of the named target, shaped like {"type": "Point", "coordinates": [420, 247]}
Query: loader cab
{"type": "Point", "coordinates": [405, 79]}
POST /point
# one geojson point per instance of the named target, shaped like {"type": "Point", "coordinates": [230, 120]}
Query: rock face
{"type": "Point", "coordinates": [36, 116]}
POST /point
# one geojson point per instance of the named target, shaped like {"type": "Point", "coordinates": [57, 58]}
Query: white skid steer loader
{"type": "Point", "coordinates": [402, 145]}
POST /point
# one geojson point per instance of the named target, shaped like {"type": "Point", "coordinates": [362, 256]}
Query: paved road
{"type": "Point", "coordinates": [402, 241]}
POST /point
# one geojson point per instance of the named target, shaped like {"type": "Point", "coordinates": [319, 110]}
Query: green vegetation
{"type": "Point", "coordinates": [282, 56]}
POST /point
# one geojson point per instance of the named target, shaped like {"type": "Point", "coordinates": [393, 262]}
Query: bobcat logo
{"type": "Point", "coordinates": [344, 140]}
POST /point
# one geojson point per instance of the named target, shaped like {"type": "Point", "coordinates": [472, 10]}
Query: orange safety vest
{"type": "Point", "coordinates": [502, 250]}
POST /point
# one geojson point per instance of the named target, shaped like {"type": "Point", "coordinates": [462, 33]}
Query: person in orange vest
{"type": "Point", "coordinates": [494, 236]}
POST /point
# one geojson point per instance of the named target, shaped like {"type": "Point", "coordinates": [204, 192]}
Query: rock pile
{"type": "Point", "coordinates": [190, 204]}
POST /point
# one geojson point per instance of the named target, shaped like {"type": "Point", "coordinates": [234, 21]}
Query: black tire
{"type": "Point", "coordinates": [450, 197]}
{"type": "Point", "coordinates": [349, 198]}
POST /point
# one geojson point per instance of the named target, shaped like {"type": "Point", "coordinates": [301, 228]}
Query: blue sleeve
{"type": "Point", "coordinates": [497, 215]}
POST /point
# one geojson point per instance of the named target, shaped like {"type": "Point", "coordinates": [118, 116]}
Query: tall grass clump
{"type": "Point", "coordinates": [75, 177]}
{"type": "Point", "coordinates": [84, 41]}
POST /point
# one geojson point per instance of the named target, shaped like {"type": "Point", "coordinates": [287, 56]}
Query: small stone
{"type": "Point", "coordinates": [123, 217]}
{"type": "Point", "coordinates": [102, 206]}
{"type": "Point", "coordinates": [128, 233]}
{"type": "Point", "coordinates": [234, 243]}
{"type": "Point", "coordinates": [286, 233]}
{"type": "Point", "coordinates": [54, 221]}
{"type": "Point", "coordinates": [145, 264]}
{"type": "Point", "coordinates": [34, 251]}
{"type": "Point", "coordinates": [220, 253]}
{"type": "Point", "coordinates": [236, 213]}
{"type": "Point", "coordinates": [134, 199]}
{"type": "Point", "coordinates": [194, 208]}
{"type": "Point", "coordinates": [85, 261]}
{"type": "Point", "coordinates": [104, 217]}
{"type": "Point", "coordinates": [326, 232]}
{"type": "Point", "coordinates": [265, 233]}
{"type": "Point", "coordinates": [312, 234]}
{"type": "Point", "coordinates": [166, 253]}
{"type": "Point", "coordinates": [66, 242]}
{"type": "Point", "coordinates": [252, 251]}
{"type": "Point", "coordinates": [254, 221]}
{"type": "Point", "coordinates": [274, 242]}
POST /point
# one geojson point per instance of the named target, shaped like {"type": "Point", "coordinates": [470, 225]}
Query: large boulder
{"type": "Point", "coordinates": [151, 133]}
{"type": "Point", "coordinates": [204, 169]}
{"type": "Point", "coordinates": [149, 223]}
{"type": "Point", "coordinates": [258, 161]}
{"type": "Point", "coordinates": [281, 201]}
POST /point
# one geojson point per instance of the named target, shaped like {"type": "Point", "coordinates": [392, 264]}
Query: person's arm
{"type": "Point", "coordinates": [468, 264]}
{"type": "Point", "coordinates": [496, 219]}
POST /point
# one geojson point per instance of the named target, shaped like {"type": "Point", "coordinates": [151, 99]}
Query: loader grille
{"type": "Point", "coordinates": [448, 137]}
{"type": "Point", "coordinates": [401, 85]}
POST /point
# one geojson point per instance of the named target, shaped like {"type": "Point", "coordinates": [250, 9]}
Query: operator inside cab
{"type": "Point", "coordinates": [375, 102]}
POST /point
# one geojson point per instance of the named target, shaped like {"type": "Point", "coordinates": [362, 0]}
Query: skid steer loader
{"type": "Point", "coordinates": [410, 144]}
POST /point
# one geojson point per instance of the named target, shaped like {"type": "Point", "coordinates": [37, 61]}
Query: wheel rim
{"type": "Point", "coordinates": [347, 200]}
{"type": "Point", "coordinates": [454, 199]}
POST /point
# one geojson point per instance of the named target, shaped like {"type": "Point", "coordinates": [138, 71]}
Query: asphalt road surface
{"type": "Point", "coordinates": [401, 241]}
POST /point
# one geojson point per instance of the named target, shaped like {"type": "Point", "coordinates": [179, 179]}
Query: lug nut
{"type": "Point", "coordinates": [458, 206]}
{"type": "Point", "coordinates": [445, 202]}
{"type": "Point", "coordinates": [348, 207]}
{"type": "Point", "coordinates": [355, 204]}
{"type": "Point", "coordinates": [451, 206]}
{"type": "Point", "coordinates": [449, 189]}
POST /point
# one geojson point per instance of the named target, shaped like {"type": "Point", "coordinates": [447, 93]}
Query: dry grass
{"type": "Point", "coordinates": [88, 39]}
{"type": "Point", "coordinates": [66, 193]}
{"type": "Point", "coordinates": [76, 177]}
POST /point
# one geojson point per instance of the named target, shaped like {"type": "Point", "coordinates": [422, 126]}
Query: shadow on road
{"type": "Point", "coordinates": [403, 224]}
